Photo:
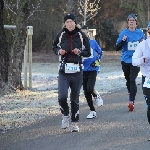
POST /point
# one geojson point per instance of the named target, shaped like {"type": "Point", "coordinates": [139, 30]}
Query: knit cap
{"type": "Point", "coordinates": [132, 16]}
{"type": "Point", "coordinates": [69, 16]}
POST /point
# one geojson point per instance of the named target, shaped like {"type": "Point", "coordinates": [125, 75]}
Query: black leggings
{"type": "Point", "coordinates": [130, 73]}
{"type": "Point", "coordinates": [146, 92]}
{"type": "Point", "coordinates": [89, 79]}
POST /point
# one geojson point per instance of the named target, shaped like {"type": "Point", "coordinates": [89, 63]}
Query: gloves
{"type": "Point", "coordinates": [96, 63]}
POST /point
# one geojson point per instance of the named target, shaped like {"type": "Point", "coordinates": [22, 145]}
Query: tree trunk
{"type": "Point", "coordinates": [15, 68]}
{"type": "Point", "coordinates": [49, 38]}
{"type": "Point", "coordinates": [142, 13]}
{"type": "Point", "coordinates": [3, 49]}
{"type": "Point", "coordinates": [73, 7]}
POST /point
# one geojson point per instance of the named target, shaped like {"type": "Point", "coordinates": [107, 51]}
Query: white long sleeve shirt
{"type": "Point", "coordinates": [142, 51]}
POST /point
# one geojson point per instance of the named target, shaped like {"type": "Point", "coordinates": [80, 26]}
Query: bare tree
{"type": "Point", "coordinates": [15, 67]}
{"type": "Point", "coordinates": [70, 5]}
{"type": "Point", "coordinates": [20, 11]}
{"type": "Point", "coordinates": [49, 26]}
{"type": "Point", "coordinates": [140, 7]}
{"type": "Point", "coordinates": [88, 9]}
{"type": "Point", "coordinates": [3, 49]}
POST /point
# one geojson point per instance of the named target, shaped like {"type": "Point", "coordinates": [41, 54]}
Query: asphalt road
{"type": "Point", "coordinates": [115, 128]}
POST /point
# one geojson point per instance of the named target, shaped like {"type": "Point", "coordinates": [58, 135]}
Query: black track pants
{"type": "Point", "coordinates": [146, 92]}
{"type": "Point", "coordinates": [130, 73]}
{"type": "Point", "coordinates": [74, 82]}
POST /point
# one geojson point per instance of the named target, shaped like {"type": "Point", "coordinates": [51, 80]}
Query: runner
{"type": "Point", "coordinates": [127, 41]}
{"type": "Point", "coordinates": [141, 57]}
{"type": "Point", "coordinates": [71, 49]}
{"type": "Point", "coordinates": [91, 67]}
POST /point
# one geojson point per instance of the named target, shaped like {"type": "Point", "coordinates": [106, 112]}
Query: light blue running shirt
{"type": "Point", "coordinates": [133, 39]}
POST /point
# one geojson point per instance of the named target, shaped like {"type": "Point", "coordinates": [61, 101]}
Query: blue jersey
{"type": "Point", "coordinates": [96, 54]}
{"type": "Point", "coordinates": [133, 39]}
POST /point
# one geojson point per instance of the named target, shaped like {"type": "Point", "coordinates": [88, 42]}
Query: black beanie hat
{"type": "Point", "coordinates": [70, 16]}
{"type": "Point", "coordinates": [84, 27]}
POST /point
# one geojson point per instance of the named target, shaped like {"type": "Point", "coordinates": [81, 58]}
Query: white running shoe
{"type": "Point", "coordinates": [91, 115]}
{"type": "Point", "coordinates": [74, 127]}
{"type": "Point", "coordinates": [65, 122]}
{"type": "Point", "coordinates": [98, 100]}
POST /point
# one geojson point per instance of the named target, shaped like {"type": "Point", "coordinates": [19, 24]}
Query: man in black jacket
{"type": "Point", "coordinates": [71, 44]}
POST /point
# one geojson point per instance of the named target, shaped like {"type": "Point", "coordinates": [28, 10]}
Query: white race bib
{"type": "Point", "coordinates": [72, 68]}
{"type": "Point", "coordinates": [147, 82]}
{"type": "Point", "coordinates": [132, 45]}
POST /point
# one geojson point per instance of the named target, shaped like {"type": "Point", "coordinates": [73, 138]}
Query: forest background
{"type": "Point", "coordinates": [47, 20]}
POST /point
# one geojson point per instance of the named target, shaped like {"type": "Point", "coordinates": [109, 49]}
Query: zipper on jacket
{"type": "Point", "coordinates": [70, 47]}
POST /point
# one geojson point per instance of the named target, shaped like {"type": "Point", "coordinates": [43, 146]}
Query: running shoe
{"type": "Point", "coordinates": [91, 115]}
{"type": "Point", "coordinates": [74, 127]}
{"type": "Point", "coordinates": [98, 100]}
{"type": "Point", "coordinates": [131, 106]}
{"type": "Point", "coordinates": [65, 122]}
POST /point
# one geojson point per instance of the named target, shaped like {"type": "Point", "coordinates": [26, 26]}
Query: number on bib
{"type": "Point", "coordinates": [71, 68]}
{"type": "Point", "coordinates": [132, 45]}
{"type": "Point", "coordinates": [147, 82]}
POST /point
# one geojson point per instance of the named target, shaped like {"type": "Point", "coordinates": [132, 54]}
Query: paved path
{"type": "Point", "coordinates": [115, 128]}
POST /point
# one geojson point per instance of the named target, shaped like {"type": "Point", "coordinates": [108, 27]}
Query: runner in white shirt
{"type": "Point", "coordinates": [141, 57]}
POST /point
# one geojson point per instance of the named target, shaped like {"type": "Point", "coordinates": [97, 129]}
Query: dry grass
{"type": "Point", "coordinates": [52, 58]}
{"type": "Point", "coordinates": [26, 107]}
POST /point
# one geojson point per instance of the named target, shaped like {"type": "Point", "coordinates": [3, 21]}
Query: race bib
{"type": "Point", "coordinates": [132, 45]}
{"type": "Point", "coordinates": [72, 68]}
{"type": "Point", "coordinates": [147, 82]}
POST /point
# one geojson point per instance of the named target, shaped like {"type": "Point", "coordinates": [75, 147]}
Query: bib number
{"type": "Point", "coordinates": [71, 68]}
{"type": "Point", "coordinates": [132, 45]}
{"type": "Point", "coordinates": [147, 82]}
